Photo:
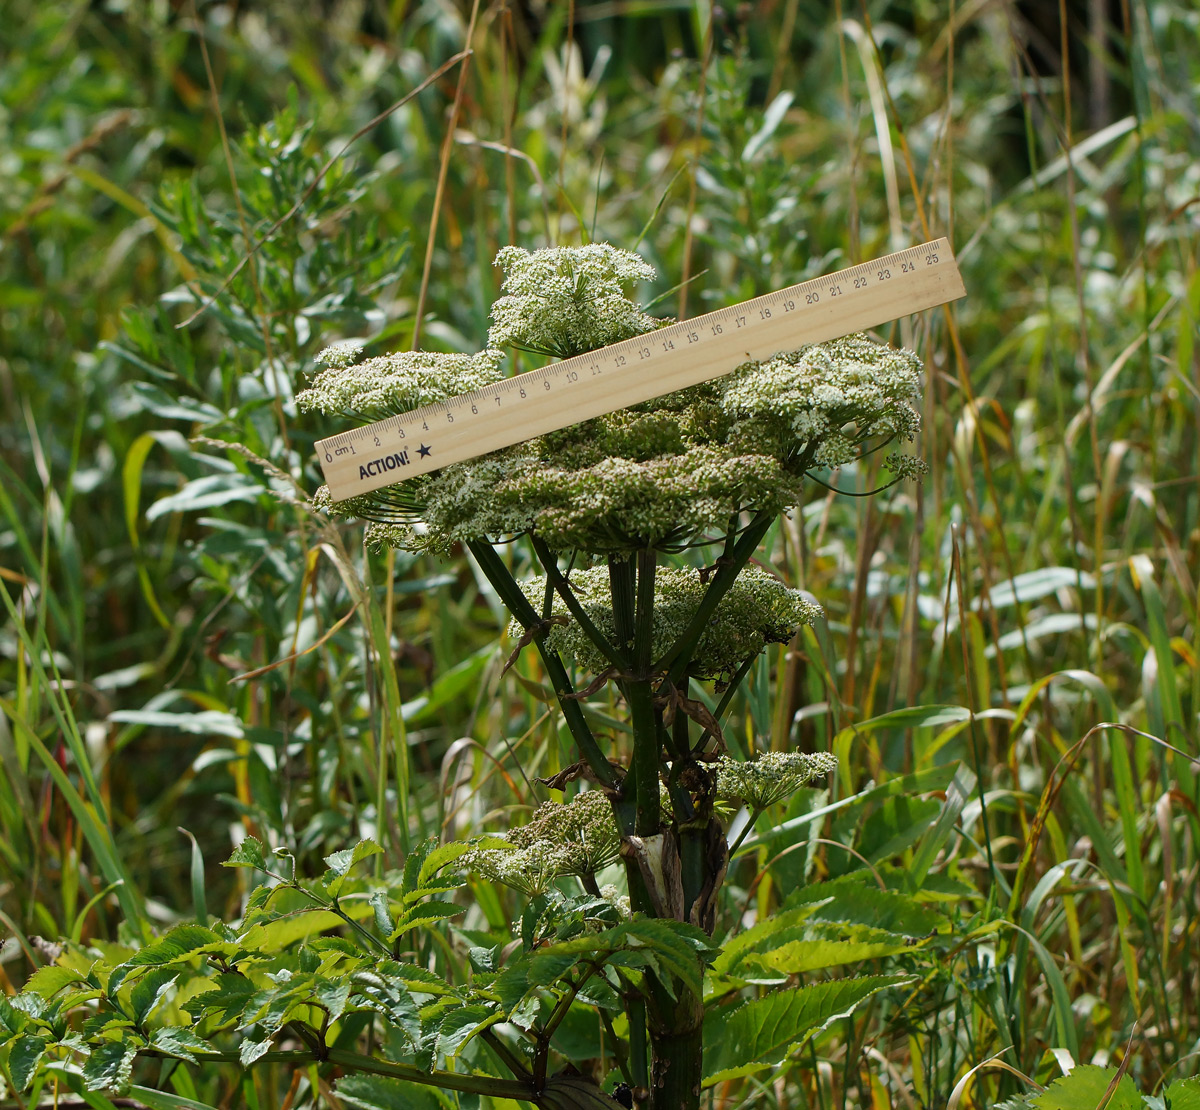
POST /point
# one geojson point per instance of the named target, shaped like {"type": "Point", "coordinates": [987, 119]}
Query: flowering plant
{"type": "Point", "coordinates": [604, 505]}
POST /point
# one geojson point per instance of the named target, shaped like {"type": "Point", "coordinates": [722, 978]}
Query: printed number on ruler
{"type": "Point", "coordinates": [638, 369]}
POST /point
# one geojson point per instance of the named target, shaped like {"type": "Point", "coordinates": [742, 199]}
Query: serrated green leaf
{"type": "Point", "coordinates": [180, 943]}
{"type": "Point", "coordinates": [340, 863]}
{"type": "Point", "coordinates": [546, 968]}
{"type": "Point", "coordinates": [12, 1020]}
{"type": "Point", "coordinates": [1084, 1089]}
{"type": "Point", "coordinates": [331, 996]}
{"type": "Point", "coordinates": [423, 914]}
{"type": "Point", "coordinates": [248, 854]}
{"type": "Point", "coordinates": [48, 981]}
{"type": "Point", "coordinates": [104, 1022]}
{"type": "Point", "coordinates": [383, 914]}
{"type": "Point", "coordinates": [226, 1002]}
{"type": "Point", "coordinates": [24, 1055]}
{"type": "Point", "coordinates": [109, 1066]}
{"type": "Point", "coordinates": [461, 1024]}
{"type": "Point", "coordinates": [149, 990]}
{"type": "Point", "coordinates": [821, 945]}
{"type": "Point", "coordinates": [442, 857]}
{"type": "Point", "coordinates": [250, 1050]}
{"type": "Point", "coordinates": [180, 1041]}
{"type": "Point", "coordinates": [385, 992]}
{"type": "Point", "coordinates": [1183, 1094]}
{"type": "Point", "coordinates": [855, 899]}
{"type": "Point", "coordinates": [739, 1040]}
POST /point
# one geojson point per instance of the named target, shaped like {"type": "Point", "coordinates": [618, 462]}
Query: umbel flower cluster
{"type": "Point", "coordinates": [661, 474]}
{"type": "Point", "coordinates": [581, 837]}
{"type": "Point", "coordinates": [758, 610]}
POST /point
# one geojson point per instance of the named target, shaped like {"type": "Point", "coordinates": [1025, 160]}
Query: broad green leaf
{"type": "Point", "coordinates": [1183, 1094]}
{"type": "Point", "coordinates": [381, 1092]}
{"type": "Point", "coordinates": [180, 1041]}
{"type": "Point", "coordinates": [823, 945]}
{"type": "Point", "coordinates": [1086, 1087]}
{"type": "Point", "coordinates": [12, 1020]}
{"type": "Point", "coordinates": [379, 902]}
{"type": "Point", "coordinates": [24, 1054]}
{"type": "Point", "coordinates": [248, 854]}
{"type": "Point", "coordinates": [387, 994]}
{"type": "Point", "coordinates": [739, 1040]}
{"type": "Point", "coordinates": [855, 899]}
{"type": "Point", "coordinates": [341, 862]}
{"type": "Point", "coordinates": [270, 936]}
{"type": "Point", "coordinates": [109, 1066]}
{"type": "Point", "coordinates": [149, 990]}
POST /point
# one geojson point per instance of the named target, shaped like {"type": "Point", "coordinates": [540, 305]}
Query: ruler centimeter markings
{"type": "Point", "coordinates": [639, 369]}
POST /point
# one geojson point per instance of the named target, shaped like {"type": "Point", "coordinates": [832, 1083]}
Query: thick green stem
{"type": "Point", "coordinates": [621, 578]}
{"type": "Point", "coordinates": [635, 1008]}
{"type": "Point", "coordinates": [640, 694]}
{"type": "Point", "coordinates": [518, 604]}
{"type": "Point", "coordinates": [563, 588]}
{"type": "Point", "coordinates": [678, 1053]}
{"type": "Point", "coordinates": [354, 1061]}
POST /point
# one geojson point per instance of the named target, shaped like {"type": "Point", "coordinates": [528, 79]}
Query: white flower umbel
{"type": "Point", "coordinates": [578, 837]}
{"type": "Point", "coordinates": [392, 384]}
{"type": "Point", "coordinates": [758, 610]}
{"type": "Point", "coordinates": [566, 300]}
{"type": "Point", "coordinates": [834, 395]}
{"type": "Point", "coordinates": [770, 778]}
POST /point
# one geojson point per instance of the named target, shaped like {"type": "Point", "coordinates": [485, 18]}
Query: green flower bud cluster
{"type": "Point", "coordinates": [758, 610]}
{"type": "Point", "coordinates": [771, 778]}
{"type": "Point", "coordinates": [578, 838]}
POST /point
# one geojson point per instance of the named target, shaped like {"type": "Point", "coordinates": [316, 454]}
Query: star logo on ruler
{"type": "Point", "coordinates": [424, 451]}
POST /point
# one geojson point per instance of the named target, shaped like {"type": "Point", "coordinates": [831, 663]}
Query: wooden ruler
{"type": "Point", "coordinates": [638, 369]}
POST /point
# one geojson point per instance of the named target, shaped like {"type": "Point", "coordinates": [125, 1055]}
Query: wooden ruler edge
{"type": "Point", "coordinates": [949, 287]}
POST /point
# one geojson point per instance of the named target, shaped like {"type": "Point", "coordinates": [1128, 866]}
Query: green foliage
{"type": "Point", "coordinates": [147, 568]}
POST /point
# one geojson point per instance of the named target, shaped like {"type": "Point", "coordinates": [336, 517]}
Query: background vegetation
{"type": "Point", "coordinates": [1010, 664]}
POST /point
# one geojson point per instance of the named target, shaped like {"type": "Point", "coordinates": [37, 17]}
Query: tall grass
{"type": "Point", "coordinates": [1010, 661]}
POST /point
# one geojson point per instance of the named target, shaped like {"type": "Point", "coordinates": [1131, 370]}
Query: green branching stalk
{"type": "Point", "coordinates": [563, 588]}
{"type": "Point", "coordinates": [510, 593]}
{"type": "Point", "coordinates": [678, 657]}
